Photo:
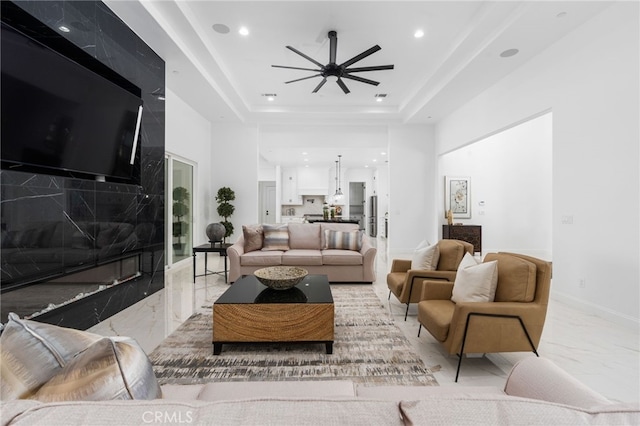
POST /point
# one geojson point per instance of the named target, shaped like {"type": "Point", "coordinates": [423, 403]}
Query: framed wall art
{"type": "Point", "coordinates": [457, 196]}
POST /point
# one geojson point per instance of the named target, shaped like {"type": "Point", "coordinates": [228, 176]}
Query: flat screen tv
{"type": "Point", "coordinates": [58, 115]}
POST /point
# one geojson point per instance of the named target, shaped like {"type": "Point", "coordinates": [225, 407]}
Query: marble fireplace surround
{"type": "Point", "coordinates": [95, 223]}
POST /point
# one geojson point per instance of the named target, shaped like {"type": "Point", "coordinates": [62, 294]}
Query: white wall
{"type": "Point", "coordinates": [412, 173]}
{"type": "Point", "coordinates": [235, 164]}
{"type": "Point", "coordinates": [511, 174]}
{"type": "Point", "coordinates": [188, 135]}
{"type": "Point", "coordinates": [589, 79]}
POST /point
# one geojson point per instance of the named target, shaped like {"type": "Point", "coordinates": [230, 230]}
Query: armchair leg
{"type": "Point", "coordinates": [419, 329]}
{"type": "Point", "coordinates": [389, 297]}
{"type": "Point", "coordinates": [406, 312]}
{"type": "Point", "coordinates": [466, 328]}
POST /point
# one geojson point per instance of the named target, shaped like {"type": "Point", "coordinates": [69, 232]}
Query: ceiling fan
{"type": "Point", "coordinates": [340, 71]}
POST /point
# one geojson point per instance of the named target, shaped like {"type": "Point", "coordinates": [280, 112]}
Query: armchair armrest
{"type": "Point", "coordinates": [436, 290]}
{"type": "Point", "coordinates": [400, 265]}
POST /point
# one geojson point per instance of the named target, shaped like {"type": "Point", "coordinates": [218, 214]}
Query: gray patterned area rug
{"type": "Point", "coordinates": [369, 349]}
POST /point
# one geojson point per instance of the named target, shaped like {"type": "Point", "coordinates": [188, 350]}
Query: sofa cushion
{"type": "Point", "coordinates": [111, 368]}
{"type": "Point", "coordinates": [256, 411]}
{"type": "Point", "coordinates": [304, 236]}
{"type": "Point", "coordinates": [436, 316]}
{"type": "Point", "coordinates": [425, 257]}
{"type": "Point", "coordinates": [32, 352]}
{"type": "Point", "coordinates": [262, 258]}
{"type": "Point", "coordinates": [253, 237]}
{"type": "Point", "coordinates": [341, 257]}
{"type": "Point", "coordinates": [451, 253]}
{"type": "Point", "coordinates": [502, 410]}
{"type": "Point", "coordinates": [516, 278]}
{"type": "Point", "coordinates": [342, 240]}
{"type": "Point", "coordinates": [301, 257]}
{"type": "Point", "coordinates": [475, 282]}
{"type": "Point", "coordinates": [276, 237]}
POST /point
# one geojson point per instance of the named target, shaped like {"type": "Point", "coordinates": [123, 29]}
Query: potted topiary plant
{"type": "Point", "coordinates": [225, 209]}
{"type": "Point", "coordinates": [180, 209]}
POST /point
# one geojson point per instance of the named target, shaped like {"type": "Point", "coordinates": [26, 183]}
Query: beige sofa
{"type": "Point", "coordinates": [536, 392]}
{"type": "Point", "coordinates": [308, 248]}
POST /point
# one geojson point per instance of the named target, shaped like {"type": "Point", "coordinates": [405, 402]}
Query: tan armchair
{"type": "Point", "coordinates": [406, 283]}
{"type": "Point", "coordinates": [513, 322]}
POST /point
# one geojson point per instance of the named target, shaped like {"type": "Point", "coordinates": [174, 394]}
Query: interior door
{"type": "Point", "coordinates": [267, 202]}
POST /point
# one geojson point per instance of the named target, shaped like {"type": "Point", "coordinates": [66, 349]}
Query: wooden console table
{"type": "Point", "coordinates": [469, 233]}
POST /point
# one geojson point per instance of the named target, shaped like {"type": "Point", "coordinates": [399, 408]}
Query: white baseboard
{"type": "Point", "coordinates": [602, 312]}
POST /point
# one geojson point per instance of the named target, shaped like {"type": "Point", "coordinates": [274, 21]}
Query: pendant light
{"type": "Point", "coordinates": [338, 194]}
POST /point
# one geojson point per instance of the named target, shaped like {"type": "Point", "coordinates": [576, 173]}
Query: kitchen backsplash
{"type": "Point", "coordinates": [311, 204]}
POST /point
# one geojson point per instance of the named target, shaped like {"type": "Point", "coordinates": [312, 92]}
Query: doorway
{"type": "Point", "coordinates": [357, 197]}
{"type": "Point", "coordinates": [267, 203]}
{"type": "Point", "coordinates": [179, 190]}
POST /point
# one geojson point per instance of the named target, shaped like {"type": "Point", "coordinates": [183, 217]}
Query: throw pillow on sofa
{"type": "Point", "coordinates": [475, 282]}
{"type": "Point", "coordinates": [111, 368]}
{"type": "Point", "coordinates": [343, 240]}
{"type": "Point", "coordinates": [253, 237]}
{"type": "Point", "coordinates": [276, 237]}
{"type": "Point", "coordinates": [32, 352]}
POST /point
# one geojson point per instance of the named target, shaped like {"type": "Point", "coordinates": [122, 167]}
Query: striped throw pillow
{"type": "Point", "coordinates": [276, 237]}
{"type": "Point", "coordinates": [341, 240]}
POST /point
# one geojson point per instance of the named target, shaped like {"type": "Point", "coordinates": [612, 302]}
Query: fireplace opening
{"type": "Point", "coordinates": [31, 301]}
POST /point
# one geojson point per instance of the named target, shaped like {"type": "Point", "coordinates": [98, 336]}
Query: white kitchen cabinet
{"type": "Point", "coordinates": [290, 194]}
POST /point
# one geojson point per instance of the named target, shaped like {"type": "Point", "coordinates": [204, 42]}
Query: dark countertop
{"type": "Point", "coordinates": [333, 221]}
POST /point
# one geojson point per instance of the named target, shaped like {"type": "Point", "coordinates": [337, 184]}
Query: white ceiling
{"type": "Point", "coordinates": [224, 76]}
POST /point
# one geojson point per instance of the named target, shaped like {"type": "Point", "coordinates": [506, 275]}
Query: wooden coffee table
{"type": "Point", "coordinates": [249, 312]}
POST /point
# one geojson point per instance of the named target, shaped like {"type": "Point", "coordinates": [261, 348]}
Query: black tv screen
{"type": "Point", "coordinates": [59, 115]}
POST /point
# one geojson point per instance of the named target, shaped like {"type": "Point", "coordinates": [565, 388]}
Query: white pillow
{"type": "Point", "coordinates": [475, 283]}
{"type": "Point", "coordinates": [425, 257]}
{"type": "Point", "coordinates": [467, 260]}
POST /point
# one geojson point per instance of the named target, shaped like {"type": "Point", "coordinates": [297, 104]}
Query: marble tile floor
{"type": "Point", "coordinates": [603, 355]}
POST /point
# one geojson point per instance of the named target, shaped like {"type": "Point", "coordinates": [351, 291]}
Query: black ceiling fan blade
{"type": "Point", "coordinates": [361, 56]}
{"type": "Point", "coordinates": [343, 86]}
{"type": "Point", "coordinates": [324, 80]}
{"type": "Point", "coordinates": [333, 46]}
{"type": "Point", "coordinates": [303, 78]}
{"type": "Point", "coordinates": [295, 68]}
{"type": "Point", "coordinates": [360, 79]}
{"type": "Point", "coordinates": [293, 49]}
{"type": "Point", "coordinates": [373, 68]}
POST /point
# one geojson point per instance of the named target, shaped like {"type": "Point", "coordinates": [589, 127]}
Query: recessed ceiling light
{"type": "Point", "coordinates": [244, 31]}
{"type": "Point", "coordinates": [509, 52]}
{"type": "Point", "coordinates": [306, 159]}
{"type": "Point", "coordinates": [418, 34]}
{"type": "Point", "coordinates": [304, 153]}
{"type": "Point", "coordinates": [64, 29]}
{"type": "Point", "coordinates": [374, 160]}
{"type": "Point", "coordinates": [380, 96]}
{"type": "Point", "coordinates": [270, 96]}
{"type": "Point", "coordinates": [366, 166]}
{"type": "Point", "coordinates": [378, 99]}
{"type": "Point", "coordinates": [383, 153]}
{"type": "Point", "coordinates": [220, 28]}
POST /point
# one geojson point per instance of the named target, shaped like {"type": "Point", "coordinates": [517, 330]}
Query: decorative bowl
{"type": "Point", "coordinates": [280, 277]}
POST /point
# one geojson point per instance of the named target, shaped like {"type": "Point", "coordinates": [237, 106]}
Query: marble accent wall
{"type": "Point", "coordinates": [55, 225]}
